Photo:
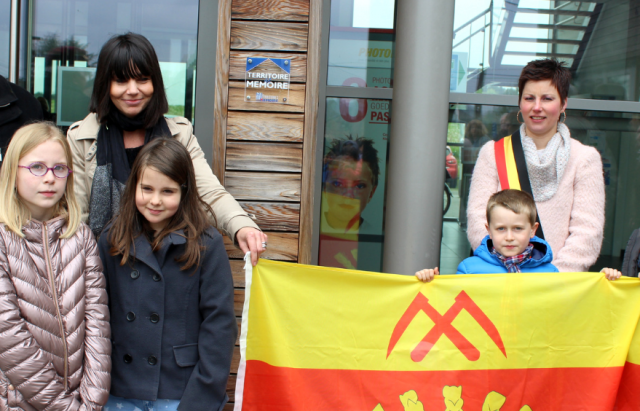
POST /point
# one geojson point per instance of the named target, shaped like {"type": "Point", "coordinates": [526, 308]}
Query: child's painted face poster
{"type": "Point", "coordinates": [353, 183]}
{"type": "Point", "coordinates": [355, 151]}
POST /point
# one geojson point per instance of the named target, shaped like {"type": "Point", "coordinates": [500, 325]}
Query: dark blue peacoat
{"type": "Point", "coordinates": [173, 331]}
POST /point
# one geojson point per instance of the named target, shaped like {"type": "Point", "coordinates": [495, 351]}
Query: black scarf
{"type": "Point", "coordinates": [113, 169]}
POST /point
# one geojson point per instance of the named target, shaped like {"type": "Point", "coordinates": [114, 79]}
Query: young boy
{"type": "Point", "coordinates": [511, 246]}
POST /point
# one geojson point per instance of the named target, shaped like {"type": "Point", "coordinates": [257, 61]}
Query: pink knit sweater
{"type": "Point", "coordinates": [572, 220]}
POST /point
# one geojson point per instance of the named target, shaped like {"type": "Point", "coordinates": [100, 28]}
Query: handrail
{"type": "Point", "coordinates": [570, 18]}
{"type": "Point", "coordinates": [471, 35]}
{"type": "Point", "coordinates": [471, 21]}
{"type": "Point", "coordinates": [562, 6]}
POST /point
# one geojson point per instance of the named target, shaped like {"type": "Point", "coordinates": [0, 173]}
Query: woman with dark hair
{"type": "Point", "coordinates": [563, 175]}
{"type": "Point", "coordinates": [127, 107]}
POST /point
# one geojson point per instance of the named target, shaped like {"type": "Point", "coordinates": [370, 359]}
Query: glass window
{"type": "Point", "coordinates": [353, 183]}
{"type": "Point", "coordinates": [615, 135]}
{"type": "Point", "coordinates": [68, 35]}
{"type": "Point", "coordinates": [494, 39]}
{"type": "Point", "coordinates": [5, 26]}
{"type": "Point", "coordinates": [361, 43]}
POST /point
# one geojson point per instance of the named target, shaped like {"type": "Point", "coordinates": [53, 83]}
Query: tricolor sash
{"type": "Point", "coordinates": [512, 168]}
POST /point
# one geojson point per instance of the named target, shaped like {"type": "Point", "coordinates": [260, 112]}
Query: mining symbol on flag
{"type": "Point", "coordinates": [443, 326]}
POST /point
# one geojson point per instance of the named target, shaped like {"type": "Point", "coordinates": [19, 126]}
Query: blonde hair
{"type": "Point", "coordinates": [519, 202]}
{"type": "Point", "coordinates": [13, 213]}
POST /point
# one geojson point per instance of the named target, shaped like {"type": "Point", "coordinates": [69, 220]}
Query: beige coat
{"type": "Point", "coordinates": [55, 347]}
{"type": "Point", "coordinates": [82, 137]}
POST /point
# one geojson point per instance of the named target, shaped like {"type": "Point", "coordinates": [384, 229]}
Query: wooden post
{"type": "Point", "coordinates": [222, 85]}
{"type": "Point", "coordinates": [264, 153]}
{"type": "Point", "coordinates": [310, 124]}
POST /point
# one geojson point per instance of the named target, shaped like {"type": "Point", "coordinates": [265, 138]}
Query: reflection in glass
{"type": "Point", "coordinates": [494, 39]}
{"type": "Point", "coordinates": [70, 33]}
{"type": "Point", "coordinates": [361, 43]}
{"type": "Point", "coordinates": [615, 135]}
{"type": "Point", "coordinates": [353, 183]}
{"type": "Point", "coordinates": [5, 23]}
{"type": "Point", "coordinates": [76, 85]}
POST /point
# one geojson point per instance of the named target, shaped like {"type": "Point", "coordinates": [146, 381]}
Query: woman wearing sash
{"type": "Point", "coordinates": [564, 176]}
{"type": "Point", "coordinates": [127, 112]}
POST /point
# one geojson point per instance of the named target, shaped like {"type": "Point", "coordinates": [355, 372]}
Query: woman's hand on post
{"type": "Point", "coordinates": [250, 239]}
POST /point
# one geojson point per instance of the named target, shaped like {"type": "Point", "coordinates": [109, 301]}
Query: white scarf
{"type": "Point", "coordinates": [546, 166]}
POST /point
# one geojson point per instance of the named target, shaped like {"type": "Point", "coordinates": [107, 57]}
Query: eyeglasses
{"type": "Point", "coordinates": [40, 169]}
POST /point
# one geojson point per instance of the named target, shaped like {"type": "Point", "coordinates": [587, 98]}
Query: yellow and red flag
{"type": "Point", "coordinates": [316, 338]}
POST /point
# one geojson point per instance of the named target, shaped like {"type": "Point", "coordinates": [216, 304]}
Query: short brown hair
{"type": "Point", "coordinates": [547, 69]}
{"type": "Point", "coordinates": [515, 200]}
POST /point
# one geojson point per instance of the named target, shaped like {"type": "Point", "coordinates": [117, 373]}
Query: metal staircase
{"type": "Point", "coordinates": [514, 32]}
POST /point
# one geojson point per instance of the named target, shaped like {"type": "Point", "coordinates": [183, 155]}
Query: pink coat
{"type": "Point", "coordinates": [572, 220]}
{"type": "Point", "coordinates": [55, 346]}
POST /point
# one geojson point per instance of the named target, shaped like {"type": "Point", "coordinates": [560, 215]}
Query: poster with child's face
{"type": "Point", "coordinates": [354, 170]}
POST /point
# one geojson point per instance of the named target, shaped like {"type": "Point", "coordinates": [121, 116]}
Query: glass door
{"type": "Point", "coordinates": [66, 37]}
{"type": "Point", "coordinates": [5, 29]}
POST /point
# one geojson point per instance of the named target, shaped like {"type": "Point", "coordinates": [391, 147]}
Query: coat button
{"type": "Point", "coordinates": [156, 277]}
{"type": "Point", "coordinates": [131, 316]}
{"type": "Point", "coordinates": [135, 274]}
{"type": "Point", "coordinates": [127, 358]}
{"type": "Point", "coordinates": [154, 318]}
{"type": "Point", "coordinates": [152, 360]}
{"type": "Point", "coordinates": [11, 387]}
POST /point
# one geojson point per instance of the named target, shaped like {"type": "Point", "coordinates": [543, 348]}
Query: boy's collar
{"type": "Point", "coordinates": [539, 247]}
{"type": "Point", "coordinates": [513, 263]}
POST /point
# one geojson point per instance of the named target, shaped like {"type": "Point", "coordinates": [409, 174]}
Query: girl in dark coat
{"type": "Point", "coordinates": [170, 290]}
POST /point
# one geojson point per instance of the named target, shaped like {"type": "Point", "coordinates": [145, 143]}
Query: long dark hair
{"type": "Point", "coordinates": [169, 157]}
{"type": "Point", "coordinates": [125, 57]}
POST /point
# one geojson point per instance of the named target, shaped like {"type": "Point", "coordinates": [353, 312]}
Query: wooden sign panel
{"type": "Point", "coordinates": [263, 186]}
{"type": "Point", "coordinates": [252, 35]}
{"type": "Point", "coordinates": [238, 60]}
{"type": "Point", "coordinates": [274, 216]}
{"type": "Point", "coordinates": [294, 104]}
{"type": "Point", "coordinates": [257, 156]}
{"type": "Point", "coordinates": [282, 127]}
{"type": "Point", "coordinates": [291, 10]}
{"type": "Point", "coordinates": [282, 246]}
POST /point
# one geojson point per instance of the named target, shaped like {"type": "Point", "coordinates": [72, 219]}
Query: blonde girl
{"type": "Point", "coordinates": [54, 321]}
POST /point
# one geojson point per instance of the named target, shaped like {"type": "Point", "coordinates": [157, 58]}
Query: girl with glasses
{"type": "Point", "coordinates": [54, 319]}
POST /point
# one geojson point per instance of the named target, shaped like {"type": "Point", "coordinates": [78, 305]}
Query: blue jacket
{"type": "Point", "coordinates": [483, 262]}
{"type": "Point", "coordinates": [172, 331]}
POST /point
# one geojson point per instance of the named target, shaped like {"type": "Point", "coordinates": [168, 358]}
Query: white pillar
{"type": "Point", "coordinates": [415, 184]}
